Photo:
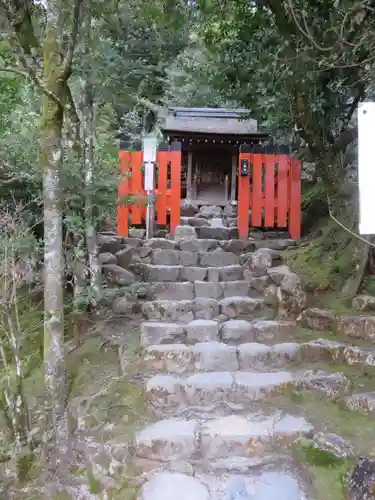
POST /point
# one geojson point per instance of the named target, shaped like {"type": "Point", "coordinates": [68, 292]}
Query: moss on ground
{"type": "Point", "coordinates": [114, 406]}
{"type": "Point", "coordinates": [329, 471]}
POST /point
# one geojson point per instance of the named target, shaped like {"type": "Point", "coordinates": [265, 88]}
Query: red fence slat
{"type": "Point", "coordinates": [175, 195]}
{"type": "Point", "coordinates": [269, 191]}
{"type": "Point", "coordinates": [282, 190]}
{"type": "Point", "coordinates": [123, 191]}
{"type": "Point", "coordinates": [168, 198]}
{"type": "Point", "coordinates": [162, 182]}
{"type": "Point", "coordinates": [257, 192]}
{"type": "Point", "coordinates": [295, 199]}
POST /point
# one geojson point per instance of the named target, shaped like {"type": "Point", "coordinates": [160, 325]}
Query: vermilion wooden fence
{"type": "Point", "coordinates": [271, 190]}
{"type": "Point", "coordinates": [167, 188]}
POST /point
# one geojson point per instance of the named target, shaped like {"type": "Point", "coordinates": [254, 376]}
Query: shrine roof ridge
{"type": "Point", "coordinates": [210, 120]}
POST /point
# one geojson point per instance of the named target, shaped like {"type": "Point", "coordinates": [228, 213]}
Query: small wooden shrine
{"type": "Point", "coordinates": [210, 140]}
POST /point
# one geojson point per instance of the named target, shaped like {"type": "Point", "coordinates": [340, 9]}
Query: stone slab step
{"type": "Point", "coordinates": [337, 352]}
{"type": "Point", "coordinates": [202, 308]}
{"type": "Point", "coordinates": [364, 402]}
{"type": "Point", "coordinates": [214, 356]}
{"type": "Point", "coordinates": [213, 258]}
{"type": "Point", "coordinates": [153, 273]}
{"type": "Point", "coordinates": [205, 390]}
{"type": "Point", "coordinates": [235, 331]}
{"type": "Point", "coordinates": [168, 393]}
{"type": "Point", "coordinates": [208, 244]}
{"type": "Point", "coordinates": [206, 289]}
{"type": "Point", "coordinates": [217, 233]}
{"type": "Point", "coordinates": [180, 439]}
{"type": "Point", "coordinates": [266, 485]}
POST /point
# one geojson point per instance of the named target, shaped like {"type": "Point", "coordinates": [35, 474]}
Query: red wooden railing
{"type": "Point", "coordinates": [272, 190]}
{"type": "Point", "coordinates": [167, 188]}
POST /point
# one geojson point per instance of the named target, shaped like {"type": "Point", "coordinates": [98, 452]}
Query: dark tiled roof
{"type": "Point", "coordinates": [210, 120]}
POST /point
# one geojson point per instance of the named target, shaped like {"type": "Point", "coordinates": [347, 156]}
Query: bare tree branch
{"type": "Point", "coordinates": [67, 68]}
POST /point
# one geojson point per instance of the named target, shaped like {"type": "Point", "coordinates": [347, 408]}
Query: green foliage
{"type": "Point", "coordinates": [299, 66]}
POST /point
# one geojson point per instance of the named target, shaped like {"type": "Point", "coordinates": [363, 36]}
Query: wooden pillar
{"type": "Point", "coordinates": [189, 176]}
{"type": "Point", "coordinates": [226, 187]}
{"type": "Point", "coordinates": [234, 177]}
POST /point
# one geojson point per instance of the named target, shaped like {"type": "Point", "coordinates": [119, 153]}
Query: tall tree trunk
{"type": "Point", "coordinates": [89, 158]}
{"type": "Point", "coordinates": [51, 155]}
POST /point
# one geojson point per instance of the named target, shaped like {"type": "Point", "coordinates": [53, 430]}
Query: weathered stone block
{"type": "Point", "coordinates": [182, 233]}
{"type": "Point", "coordinates": [133, 242]}
{"type": "Point", "coordinates": [201, 330]}
{"type": "Point", "coordinates": [239, 306]}
{"type": "Point", "coordinates": [155, 333]}
{"type": "Point", "coordinates": [173, 358]}
{"type": "Point", "coordinates": [193, 273]}
{"type": "Point", "coordinates": [169, 310]}
{"type": "Point", "coordinates": [205, 308]}
{"type": "Point", "coordinates": [364, 303]}
{"type": "Point", "coordinates": [107, 258]}
{"type": "Point", "coordinates": [164, 485]}
{"type": "Point", "coordinates": [235, 288]}
{"type": "Point", "coordinates": [188, 258]}
{"type": "Point", "coordinates": [219, 259]}
{"type": "Point", "coordinates": [173, 290]}
{"type": "Point", "coordinates": [162, 273]}
{"type": "Point", "coordinates": [318, 319]}
{"type": "Point", "coordinates": [117, 275]}
{"type": "Point", "coordinates": [208, 289]}
{"type": "Point", "coordinates": [199, 245]}
{"type": "Point", "coordinates": [362, 327]}
{"type": "Point", "coordinates": [214, 356]}
{"type": "Point", "coordinates": [239, 436]}
{"type": "Point", "coordinates": [237, 331]}
{"type": "Point", "coordinates": [333, 385]}
{"type": "Point", "coordinates": [167, 440]}
{"type": "Point", "coordinates": [161, 243]}
{"type": "Point", "coordinates": [230, 273]}
{"type": "Point", "coordinates": [253, 386]}
{"type": "Point", "coordinates": [165, 257]}
{"type": "Point", "coordinates": [109, 243]}
{"type": "Point", "coordinates": [363, 402]}
{"type": "Point", "coordinates": [253, 356]}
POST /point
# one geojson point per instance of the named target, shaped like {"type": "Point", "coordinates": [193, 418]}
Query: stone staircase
{"type": "Point", "coordinates": [217, 353]}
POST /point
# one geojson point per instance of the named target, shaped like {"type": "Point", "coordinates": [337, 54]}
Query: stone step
{"type": "Point", "coordinates": [213, 258]}
{"type": "Point", "coordinates": [202, 308]}
{"type": "Point", "coordinates": [211, 355]}
{"type": "Point", "coordinates": [153, 273]}
{"type": "Point", "coordinates": [235, 435]}
{"type": "Point", "coordinates": [364, 402]}
{"type": "Point", "coordinates": [207, 244]}
{"type": "Point", "coordinates": [214, 356]}
{"type": "Point", "coordinates": [204, 391]}
{"type": "Point", "coordinates": [337, 352]}
{"type": "Point", "coordinates": [236, 331]}
{"type": "Point", "coordinates": [217, 233]}
{"type": "Point", "coordinates": [265, 485]}
{"type": "Point", "coordinates": [207, 289]}
{"type": "Point", "coordinates": [170, 393]}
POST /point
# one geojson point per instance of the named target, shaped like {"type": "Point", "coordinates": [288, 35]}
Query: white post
{"type": "Point", "coordinates": [366, 168]}
{"type": "Point", "coordinates": [149, 160]}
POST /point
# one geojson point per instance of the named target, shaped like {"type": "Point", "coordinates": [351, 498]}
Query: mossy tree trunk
{"type": "Point", "coordinates": [55, 77]}
{"type": "Point", "coordinates": [89, 156]}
